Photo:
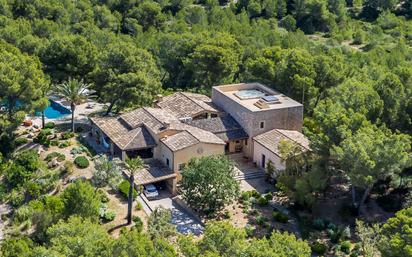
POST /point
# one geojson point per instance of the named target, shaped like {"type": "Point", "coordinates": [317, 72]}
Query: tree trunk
{"type": "Point", "coordinates": [364, 196]}
{"type": "Point", "coordinates": [353, 195]}
{"type": "Point", "coordinates": [73, 107]}
{"type": "Point", "coordinates": [109, 109]}
{"type": "Point", "coordinates": [42, 119]}
{"type": "Point", "coordinates": [130, 200]}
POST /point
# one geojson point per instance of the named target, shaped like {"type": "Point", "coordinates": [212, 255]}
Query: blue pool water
{"type": "Point", "coordinates": [55, 111]}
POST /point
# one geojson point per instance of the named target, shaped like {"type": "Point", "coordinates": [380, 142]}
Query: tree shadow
{"type": "Point", "coordinates": [117, 227]}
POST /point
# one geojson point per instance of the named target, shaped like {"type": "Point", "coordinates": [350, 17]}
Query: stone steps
{"type": "Point", "coordinates": [249, 175]}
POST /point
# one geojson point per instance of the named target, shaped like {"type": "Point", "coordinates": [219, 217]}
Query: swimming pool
{"type": "Point", "coordinates": [249, 94]}
{"type": "Point", "coordinates": [55, 111]}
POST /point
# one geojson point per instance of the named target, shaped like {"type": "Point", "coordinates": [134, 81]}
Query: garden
{"type": "Point", "coordinates": [37, 180]}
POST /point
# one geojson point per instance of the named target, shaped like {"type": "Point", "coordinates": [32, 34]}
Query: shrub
{"type": "Point", "coordinates": [64, 144]}
{"type": "Point", "coordinates": [138, 223]}
{"type": "Point", "coordinates": [81, 162]}
{"type": "Point", "coordinates": [54, 143]}
{"type": "Point", "coordinates": [22, 214]}
{"type": "Point", "coordinates": [280, 216]}
{"type": "Point", "coordinates": [67, 167]}
{"type": "Point", "coordinates": [255, 193]}
{"type": "Point", "coordinates": [260, 220]}
{"type": "Point", "coordinates": [124, 189]}
{"type": "Point", "coordinates": [33, 189]}
{"type": "Point", "coordinates": [336, 233]}
{"type": "Point", "coordinates": [250, 230]}
{"type": "Point", "coordinates": [60, 157]}
{"type": "Point", "coordinates": [21, 141]}
{"type": "Point", "coordinates": [262, 201]}
{"type": "Point", "coordinates": [42, 137]}
{"type": "Point", "coordinates": [245, 196]}
{"type": "Point", "coordinates": [103, 196]}
{"type": "Point", "coordinates": [319, 248]}
{"type": "Point", "coordinates": [49, 125]}
{"type": "Point", "coordinates": [109, 215]}
{"type": "Point", "coordinates": [139, 206]}
{"type": "Point", "coordinates": [268, 196]}
{"type": "Point", "coordinates": [16, 198]}
{"type": "Point", "coordinates": [345, 247]}
{"type": "Point", "coordinates": [67, 135]}
{"type": "Point", "coordinates": [319, 224]}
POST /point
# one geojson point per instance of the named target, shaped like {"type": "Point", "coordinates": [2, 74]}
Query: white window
{"type": "Point", "coordinates": [262, 125]}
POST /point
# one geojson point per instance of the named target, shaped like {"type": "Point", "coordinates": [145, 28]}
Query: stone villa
{"type": "Point", "coordinates": [246, 118]}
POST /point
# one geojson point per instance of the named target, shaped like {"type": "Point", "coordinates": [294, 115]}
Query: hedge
{"type": "Point", "coordinates": [49, 125]}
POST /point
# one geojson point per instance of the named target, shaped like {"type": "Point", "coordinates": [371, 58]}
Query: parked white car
{"type": "Point", "coordinates": [150, 191]}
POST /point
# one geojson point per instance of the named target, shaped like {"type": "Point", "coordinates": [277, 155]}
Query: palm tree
{"type": "Point", "coordinates": [74, 91]}
{"type": "Point", "coordinates": [133, 166]}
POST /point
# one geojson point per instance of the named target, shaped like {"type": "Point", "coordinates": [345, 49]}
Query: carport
{"type": "Point", "coordinates": [155, 172]}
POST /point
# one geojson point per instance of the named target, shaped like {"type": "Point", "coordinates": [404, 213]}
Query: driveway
{"type": "Point", "coordinates": [185, 223]}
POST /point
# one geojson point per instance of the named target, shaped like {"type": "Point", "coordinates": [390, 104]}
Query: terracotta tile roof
{"type": "Point", "coordinates": [226, 128]}
{"type": "Point", "coordinates": [184, 105]}
{"type": "Point", "coordinates": [130, 130]}
{"type": "Point", "coordinates": [153, 118]}
{"type": "Point", "coordinates": [201, 135]}
{"type": "Point", "coordinates": [179, 141]}
{"type": "Point", "coordinates": [124, 137]}
{"type": "Point", "coordinates": [272, 139]}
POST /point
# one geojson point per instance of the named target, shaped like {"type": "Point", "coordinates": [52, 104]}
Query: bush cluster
{"type": "Point", "coordinates": [43, 137]}
{"type": "Point", "coordinates": [60, 157]}
{"type": "Point", "coordinates": [67, 135]}
{"type": "Point", "coordinates": [64, 144]}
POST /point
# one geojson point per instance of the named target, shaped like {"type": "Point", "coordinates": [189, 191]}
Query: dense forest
{"type": "Point", "coordinates": [348, 61]}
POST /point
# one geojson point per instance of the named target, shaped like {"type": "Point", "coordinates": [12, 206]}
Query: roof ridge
{"type": "Point", "coordinates": [145, 109]}
{"type": "Point", "coordinates": [183, 93]}
{"type": "Point", "coordinates": [135, 135]}
{"type": "Point", "coordinates": [195, 137]}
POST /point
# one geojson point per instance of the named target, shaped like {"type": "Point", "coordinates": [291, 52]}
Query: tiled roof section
{"type": "Point", "coordinates": [272, 139]}
{"type": "Point", "coordinates": [226, 128]}
{"type": "Point", "coordinates": [297, 137]}
{"type": "Point", "coordinates": [179, 141]}
{"type": "Point", "coordinates": [153, 118]}
{"type": "Point", "coordinates": [184, 105]}
{"type": "Point", "coordinates": [124, 137]}
{"type": "Point", "coordinates": [201, 135]}
{"type": "Point", "coordinates": [237, 134]}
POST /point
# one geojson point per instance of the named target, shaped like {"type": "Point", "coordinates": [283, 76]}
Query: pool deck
{"type": "Point", "coordinates": [80, 115]}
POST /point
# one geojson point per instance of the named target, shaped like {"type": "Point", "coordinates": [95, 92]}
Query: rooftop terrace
{"type": "Point", "coordinates": [256, 97]}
